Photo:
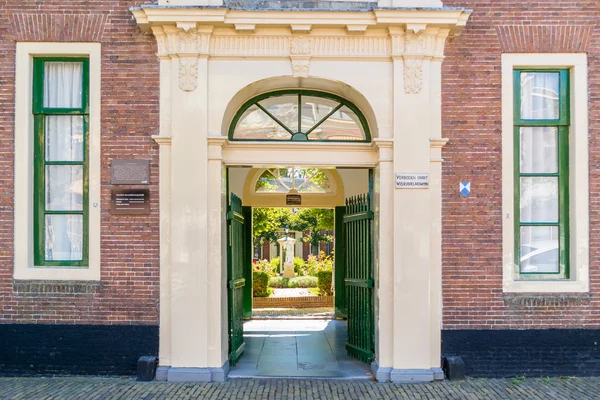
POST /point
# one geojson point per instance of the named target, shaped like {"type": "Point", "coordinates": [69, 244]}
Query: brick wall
{"type": "Point", "coordinates": [472, 227]}
{"type": "Point", "coordinates": [129, 289]}
{"type": "Point", "coordinates": [472, 258]}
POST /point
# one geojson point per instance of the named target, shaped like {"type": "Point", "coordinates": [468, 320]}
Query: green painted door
{"type": "Point", "coordinates": [235, 279]}
{"type": "Point", "coordinates": [340, 265]}
{"type": "Point", "coordinates": [247, 212]}
{"type": "Point", "coordinates": [358, 256]}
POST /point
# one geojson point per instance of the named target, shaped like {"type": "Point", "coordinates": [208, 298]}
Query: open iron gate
{"type": "Point", "coordinates": [359, 277]}
{"type": "Point", "coordinates": [235, 279]}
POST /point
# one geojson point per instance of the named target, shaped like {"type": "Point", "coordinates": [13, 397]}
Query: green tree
{"type": "Point", "coordinates": [315, 222]}
{"type": "Point", "coordinates": [267, 221]}
{"type": "Point", "coordinates": [267, 224]}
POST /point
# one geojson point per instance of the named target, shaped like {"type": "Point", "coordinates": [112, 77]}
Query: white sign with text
{"type": "Point", "coordinates": [412, 181]}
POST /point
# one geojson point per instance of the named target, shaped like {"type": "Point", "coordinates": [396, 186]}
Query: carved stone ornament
{"type": "Point", "coordinates": [188, 73]}
{"type": "Point", "coordinates": [188, 41]}
{"type": "Point", "coordinates": [413, 76]}
{"type": "Point", "coordinates": [300, 46]}
{"type": "Point", "coordinates": [300, 68]}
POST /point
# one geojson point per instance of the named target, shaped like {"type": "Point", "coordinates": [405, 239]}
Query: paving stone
{"type": "Point", "coordinates": [84, 388]}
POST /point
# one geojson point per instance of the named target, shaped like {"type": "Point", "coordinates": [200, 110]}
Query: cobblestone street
{"type": "Point", "coordinates": [113, 388]}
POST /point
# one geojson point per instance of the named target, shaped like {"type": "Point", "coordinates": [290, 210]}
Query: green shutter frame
{"type": "Point", "coordinates": [562, 125]}
{"type": "Point", "coordinates": [39, 115]}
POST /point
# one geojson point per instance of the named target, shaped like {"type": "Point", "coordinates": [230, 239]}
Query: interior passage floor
{"type": "Point", "coordinates": [297, 348]}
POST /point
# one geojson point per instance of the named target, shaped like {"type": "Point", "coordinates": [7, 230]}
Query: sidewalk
{"type": "Point", "coordinates": [74, 388]}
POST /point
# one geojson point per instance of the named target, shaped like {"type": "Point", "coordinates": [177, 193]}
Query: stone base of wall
{"type": "Point", "coordinates": [529, 353]}
{"type": "Point", "coordinates": [293, 302]}
{"type": "Point", "coordinates": [46, 350]}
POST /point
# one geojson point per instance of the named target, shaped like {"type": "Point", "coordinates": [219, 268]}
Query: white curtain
{"type": "Point", "coordinates": [64, 142]}
{"type": "Point", "coordinates": [539, 154]}
{"type": "Point", "coordinates": [62, 84]}
{"type": "Point", "coordinates": [539, 95]}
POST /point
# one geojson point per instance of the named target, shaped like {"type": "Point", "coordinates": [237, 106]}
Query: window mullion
{"type": "Point", "coordinates": [274, 118]}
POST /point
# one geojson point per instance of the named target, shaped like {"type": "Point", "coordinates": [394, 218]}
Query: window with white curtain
{"type": "Point", "coordinates": [541, 120]}
{"type": "Point", "coordinates": [60, 108]}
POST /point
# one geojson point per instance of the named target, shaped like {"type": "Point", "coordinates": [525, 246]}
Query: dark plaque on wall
{"type": "Point", "coordinates": [130, 172]}
{"type": "Point", "coordinates": [130, 201]}
{"type": "Point", "coordinates": [293, 199]}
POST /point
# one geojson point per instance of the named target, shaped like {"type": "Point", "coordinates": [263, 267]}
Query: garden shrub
{"type": "Point", "coordinates": [260, 284]}
{"type": "Point", "coordinates": [300, 266]}
{"type": "Point", "coordinates": [297, 282]}
{"type": "Point", "coordinates": [276, 282]}
{"type": "Point", "coordinates": [314, 264]}
{"type": "Point", "coordinates": [324, 277]}
{"type": "Point", "coordinates": [303, 282]}
{"type": "Point", "coordinates": [264, 266]}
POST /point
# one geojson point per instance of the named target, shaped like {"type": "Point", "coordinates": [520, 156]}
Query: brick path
{"type": "Point", "coordinates": [74, 388]}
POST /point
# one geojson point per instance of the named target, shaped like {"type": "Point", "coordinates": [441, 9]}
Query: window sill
{"type": "Point", "coordinates": [558, 286]}
{"type": "Point", "coordinates": [57, 273]}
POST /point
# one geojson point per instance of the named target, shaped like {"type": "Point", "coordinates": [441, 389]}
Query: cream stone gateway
{"type": "Point", "coordinates": [384, 62]}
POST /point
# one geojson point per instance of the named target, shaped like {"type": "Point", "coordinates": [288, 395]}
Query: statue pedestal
{"type": "Point", "coordinates": [288, 271]}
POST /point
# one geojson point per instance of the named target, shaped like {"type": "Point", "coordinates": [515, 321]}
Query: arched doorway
{"type": "Point", "coordinates": [303, 117]}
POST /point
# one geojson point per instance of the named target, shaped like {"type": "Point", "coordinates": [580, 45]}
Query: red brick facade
{"type": "Point", "coordinates": [472, 227]}
{"type": "Point", "coordinates": [128, 292]}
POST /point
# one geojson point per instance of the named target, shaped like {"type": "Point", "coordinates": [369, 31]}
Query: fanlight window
{"type": "Point", "coordinates": [299, 115]}
{"type": "Point", "coordinates": [294, 180]}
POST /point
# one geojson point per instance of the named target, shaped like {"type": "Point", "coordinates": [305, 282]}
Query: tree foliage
{"type": "Point", "coordinates": [268, 222]}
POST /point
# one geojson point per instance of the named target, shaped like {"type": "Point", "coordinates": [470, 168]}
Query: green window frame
{"type": "Point", "coordinates": [560, 125]}
{"type": "Point", "coordinates": [296, 132]}
{"type": "Point", "coordinates": [40, 114]}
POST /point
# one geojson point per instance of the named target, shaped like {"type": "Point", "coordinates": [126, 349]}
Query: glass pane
{"type": "Point", "coordinates": [304, 180]}
{"type": "Point", "coordinates": [284, 108]}
{"type": "Point", "coordinates": [315, 109]}
{"type": "Point", "coordinates": [342, 125]}
{"type": "Point", "coordinates": [539, 199]}
{"type": "Point", "coordinates": [312, 180]}
{"type": "Point", "coordinates": [64, 187]}
{"type": "Point", "coordinates": [539, 95]}
{"type": "Point", "coordinates": [63, 84]}
{"type": "Point", "coordinates": [64, 138]}
{"type": "Point", "coordinates": [539, 150]}
{"type": "Point", "coordinates": [64, 237]}
{"type": "Point", "coordinates": [539, 249]}
{"type": "Point", "coordinates": [256, 125]}
{"type": "Point", "coordinates": [270, 182]}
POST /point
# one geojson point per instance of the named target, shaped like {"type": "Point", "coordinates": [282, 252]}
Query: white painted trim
{"type": "Point", "coordinates": [578, 173]}
{"type": "Point", "coordinates": [302, 154]}
{"type": "Point", "coordinates": [24, 266]}
{"type": "Point", "coordinates": [147, 16]}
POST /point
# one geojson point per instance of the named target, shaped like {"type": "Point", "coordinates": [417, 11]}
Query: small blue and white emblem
{"type": "Point", "coordinates": [465, 188]}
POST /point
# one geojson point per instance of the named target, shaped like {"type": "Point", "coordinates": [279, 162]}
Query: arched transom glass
{"type": "Point", "coordinates": [299, 115]}
{"type": "Point", "coordinates": [294, 180]}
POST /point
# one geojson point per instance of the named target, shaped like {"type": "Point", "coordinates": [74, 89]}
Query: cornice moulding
{"type": "Point", "coordinates": [437, 143]}
{"type": "Point", "coordinates": [415, 19]}
{"type": "Point", "coordinates": [162, 140]}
